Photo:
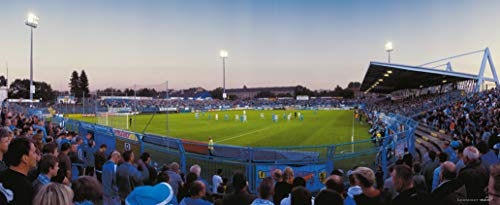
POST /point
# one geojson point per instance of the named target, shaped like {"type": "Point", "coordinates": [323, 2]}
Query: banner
{"type": "Point", "coordinates": [315, 175]}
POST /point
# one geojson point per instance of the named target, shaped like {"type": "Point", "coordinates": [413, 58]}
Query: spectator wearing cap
{"type": "Point", "coordinates": [474, 174]}
{"type": "Point", "coordinates": [265, 189]}
{"type": "Point", "coordinates": [128, 176]}
{"type": "Point", "coordinates": [452, 156]}
{"type": "Point", "coordinates": [160, 193]}
{"type": "Point", "coordinates": [497, 148]}
{"type": "Point", "coordinates": [48, 166]}
{"type": "Point", "coordinates": [450, 190]}
{"type": "Point", "coordinates": [365, 178]}
{"type": "Point", "coordinates": [15, 186]}
{"type": "Point", "coordinates": [284, 187]}
{"type": "Point", "coordinates": [175, 179]}
{"type": "Point", "coordinates": [109, 183]}
{"type": "Point", "coordinates": [402, 177]}
{"type": "Point", "coordinates": [443, 157]}
{"type": "Point", "coordinates": [240, 194]}
{"type": "Point", "coordinates": [493, 189]}
{"type": "Point", "coordinates": [4, 147]}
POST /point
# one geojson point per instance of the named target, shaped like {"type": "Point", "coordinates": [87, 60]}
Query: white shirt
{"type": "Point", "coordinates": [216, 180]}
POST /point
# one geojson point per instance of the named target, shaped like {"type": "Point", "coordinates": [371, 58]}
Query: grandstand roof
{"type": "Point", "coordinates": [401, 77]}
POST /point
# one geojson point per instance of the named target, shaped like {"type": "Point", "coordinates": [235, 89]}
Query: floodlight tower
{"type": "Point", "coordinates": [32, 22]}
{"type": "Point", "coordinates": [223, 54]}
{"type": "Point", "coordinates": [388, 49]}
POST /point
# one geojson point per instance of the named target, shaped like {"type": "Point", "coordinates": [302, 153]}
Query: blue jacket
{"type": "Point", "coordinates": [128, 177]}
{"type": "Point", "coordinates": [109, 185]}
{"type": "Point", "coordinates": [89, 155]}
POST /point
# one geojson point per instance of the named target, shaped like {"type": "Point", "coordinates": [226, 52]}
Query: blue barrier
{"type": "Point", "coordinates": [312, 162]}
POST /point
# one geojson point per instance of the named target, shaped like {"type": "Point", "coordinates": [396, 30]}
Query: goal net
{"type": "Point", "coordinates": [115, 120]}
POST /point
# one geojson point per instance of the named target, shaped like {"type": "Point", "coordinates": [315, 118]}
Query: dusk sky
{"type": "Point", "coordinates": [318, 44]}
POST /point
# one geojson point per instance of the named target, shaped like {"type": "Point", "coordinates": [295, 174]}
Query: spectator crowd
{"type": "Point", "coordinates": [43, 164]}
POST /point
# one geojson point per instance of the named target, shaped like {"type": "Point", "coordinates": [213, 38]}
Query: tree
{"type": "Point", "coordinates": [353, 85]}
{"type": "Point", "coordinates": [145, 92]}
{"type": "Point", "coordinates": [129, 92]}
{"type": "Point", "coordinates": [74, 84]}
{"type": "Point", "coordinates": [216, 93]}
{"type": "Point", "coordinates": [83, 85]}
{"type": "Point", "coordinates": [301, 90]}
{"type": "Point", "coordinates": [20, 89]}
{"type": "Point", "coordinates": [3, 81]}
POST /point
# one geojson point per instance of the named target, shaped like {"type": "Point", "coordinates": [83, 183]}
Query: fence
{"type": "Point", "coordinates": [311, 162]}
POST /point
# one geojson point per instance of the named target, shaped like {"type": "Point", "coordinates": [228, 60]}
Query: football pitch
{"type": "Point", "coordinates": [321, 127]}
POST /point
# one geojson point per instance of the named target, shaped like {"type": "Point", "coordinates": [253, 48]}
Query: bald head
{"type": "Point", "coordinates": [448, 171]}
{"type": "Point", "coordinates": [471, 154]}
{"type": "Point", "coordinates": [335, 183]}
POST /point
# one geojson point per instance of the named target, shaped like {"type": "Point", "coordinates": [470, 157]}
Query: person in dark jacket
{"type": "Point", "coordinates": [402, 177]}
{"type": "Point", "coordinates": [474, 174]}
{"type": "Point", "coordinates": [428, 169]}
{"type": "Point", "coordinates": [100, 159]}
{"type": "Point", "coordinates": [146, 158]}
{"type": "Point", "coordinates": [240, 195]}
{"type": "Point", "coordinates": [128, 177]}
{"type": "Point", "coordinates": [450, 190]}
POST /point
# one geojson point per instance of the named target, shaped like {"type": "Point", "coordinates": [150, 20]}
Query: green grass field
{"type": "Point", "coordinates": [317, 128]}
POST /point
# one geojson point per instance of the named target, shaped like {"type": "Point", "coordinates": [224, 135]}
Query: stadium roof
{"type": "Point", "coordinates": [386, 78]}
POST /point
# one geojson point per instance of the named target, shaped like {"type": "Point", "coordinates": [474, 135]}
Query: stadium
{"type": "Point", "coordinates": [406, 133]}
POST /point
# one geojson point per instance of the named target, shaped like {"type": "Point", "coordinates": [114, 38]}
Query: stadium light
{"type": "Point", "coordinates": [389, 71]}
{"type": "Point", "coordinates": [223, 54]}
{"type": "Point", "coordinates": [32, 22]}
{"type": "Point", "coordinates": [444, 81]}
{"type": "Point", "coordinates": [388, 49]}
{"type": "Point", "coordinates": [386, 75]}
{"type": "Point", "coordinates": [380, 80]}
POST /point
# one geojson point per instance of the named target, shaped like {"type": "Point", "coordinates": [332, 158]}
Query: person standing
{"type": "Point", "coordinates": [128, 176]}
{"type": "Point", "coordinates": [100, 159]}
{"type": "Point", "coordinates": [109, 182]}
{"type": "Point", "coordinates": [211, 146]}
{"type": "Point", "coordinates": [216, 180]}
{"type": "Point", "coordinates": [402, 177]}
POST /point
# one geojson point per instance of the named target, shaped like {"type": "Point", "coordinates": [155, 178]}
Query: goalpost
{"type": "Point", "coordinates": [114, 119]}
